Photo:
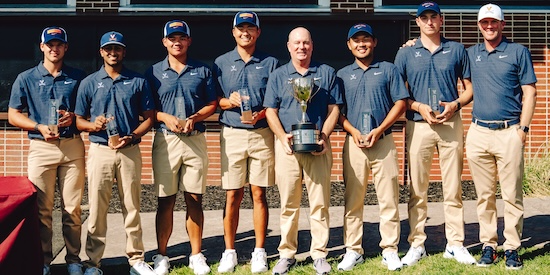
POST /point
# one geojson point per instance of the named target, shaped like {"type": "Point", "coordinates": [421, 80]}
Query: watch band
{"type": "Point", "coordinates": [525, 129]}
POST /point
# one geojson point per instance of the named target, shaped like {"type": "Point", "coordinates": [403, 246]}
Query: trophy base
{"type": "Point", "coordinates": [305, 137]}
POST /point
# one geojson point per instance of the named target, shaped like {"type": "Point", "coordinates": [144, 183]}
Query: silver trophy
{"type": "Point", "coordinates": [434, 99]}
{"type": "Point", "coordinates": [304, 134]}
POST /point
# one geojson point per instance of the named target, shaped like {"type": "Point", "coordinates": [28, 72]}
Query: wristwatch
{"type": "Point", "coordinates": [458, 105]}
{"type": "Point", "coordinates": [525, 129]}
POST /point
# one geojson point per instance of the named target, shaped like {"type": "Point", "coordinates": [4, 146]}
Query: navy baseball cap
{"type": "Point", "coordinates": [111, 38]}
{"type": "Point", "coordinates": [176, 26]}
{"type": "Point", "coordinates": [361, 27]}
{"type": "Point", "coordinates": [53, 33]}
{"type": "Point", "coordinates": [246, 17]}
{"type": "Point", "coordinates": [427, 6]}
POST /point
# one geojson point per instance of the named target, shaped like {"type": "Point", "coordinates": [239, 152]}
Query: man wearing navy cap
{"type": "Point", "coordinates": [374, 98]}
{"type": "Point", "coordinates": [246, 143]}
{"type": "Point", "coordinates": [504, 102]}
{"type": "Point", "coordinates": [291, 168]}
{"type": "Point", "coordinates": [56, 149]}
{"type": "Point", "coordinates": [184, 95]}
{"type": "Point", "coordinates": [431, 67]}
{"type": "Point", "coordinates": [108, 106]}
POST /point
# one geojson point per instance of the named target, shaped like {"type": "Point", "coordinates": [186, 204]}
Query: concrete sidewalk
{"type": "Point", "coordinates": [536, 227]}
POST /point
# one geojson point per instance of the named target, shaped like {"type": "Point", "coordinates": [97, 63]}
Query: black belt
{"type": "Point", "coordinates": [495, 124]}
{"type": "Point", "coordinates": [70, 136]}
{"type": "Point", "coordinates": [168, 132]}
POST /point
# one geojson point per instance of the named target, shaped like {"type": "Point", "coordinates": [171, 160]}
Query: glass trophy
{"type": "Point", "coordinates": [366, 127]}
{"type": "Point", "coordinates": [53, 116]}
{"type": "Point", "coordinates": [434, 99]}
{"type": "Point", "coordinates": [180, 111]}
{"type": "Point", "coordinates": [112, 130]}
{"type": "Point", "coordinates": [246, 108]}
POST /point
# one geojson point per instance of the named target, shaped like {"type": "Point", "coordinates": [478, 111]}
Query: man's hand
{"type": "Point", "coordinates": [286, 141]}
{"type": "Point", "coordinates": [450, 109]}
{"type": "Point", "coordinates": [254, 120]}
{"type": "Point", "coordinates": [66, 118]}
{"type": "Point", "coordinates": [427, 113]}
{"type": "Point", "coordinates": [100, 123]}
{"type": "Point", "coordinates": [409, 43]}
{"type": "Point", "coordinates": [47, 133]}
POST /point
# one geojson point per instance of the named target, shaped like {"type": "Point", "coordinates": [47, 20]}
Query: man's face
{"type": "Point", "coordinates": [113, 54]}
{"type": "Point", "coordinates": [300, 45]}
{"type": "Point", "coordinates": [430, 22]}
{"type": "Point", "coordinates": [177, 44]}
{"type": "Point", "coordinates": [246, 34]}
{"type": "Point", "coordinates": [54, 50]}
{"type": "Point", "coordinates": [362, 45]}
{"type": "Point", "coordinates": [491, 28]}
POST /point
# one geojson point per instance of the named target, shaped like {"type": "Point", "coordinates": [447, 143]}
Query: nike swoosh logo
{"type": "Point", "coordinates": [451, 252]}
{"type": "Point", "coordinates": [502, 56]}
{"type": "Point", "coordinates": [446, 52]}
{"type": "Point", "coordinates": [259, 67]}
{"type": "Point", "coordinates": [377, 73]}
{"type": "Point", "coordinates": [68, 82]}
{"type": "Point", "coordinates": [194, 73]}
{"type": "Point", "coordinates": [317, 78]}
{"type": "Point", "coordinates": [127, 82]}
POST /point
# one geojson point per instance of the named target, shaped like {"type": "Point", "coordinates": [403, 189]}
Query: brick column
{"type": "Point", "coordinates": [97, 6]}
{"type": "Point", "coordinates": [352, 6]}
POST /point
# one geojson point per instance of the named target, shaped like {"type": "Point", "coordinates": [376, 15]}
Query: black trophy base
{"type": "Point", "coordinates": [305, 137]}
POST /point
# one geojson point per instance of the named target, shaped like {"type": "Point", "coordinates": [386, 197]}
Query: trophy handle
{"type": "Point", "coordinates": [315, 82]}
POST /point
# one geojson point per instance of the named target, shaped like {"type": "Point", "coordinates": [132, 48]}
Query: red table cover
{"type": "Point", "coordinates": [20, 248]}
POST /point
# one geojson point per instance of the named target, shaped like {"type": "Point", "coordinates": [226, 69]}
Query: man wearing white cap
{"type": "Point", "coordinates": [432, 67]}
{"type": "Point", "coordinates": [184, 94]}
{"type": "Point", "coordinates": [246, 142]}
{"type": "Point", "coordinates": [56, 152]}
{"type": "Point", "coordinates": [502, 72]}
{"type": "Point", "coordinates": [109, 104]}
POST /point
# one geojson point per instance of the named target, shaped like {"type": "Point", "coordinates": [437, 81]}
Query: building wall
{"type": "Point", "coordinates": [529, 29]}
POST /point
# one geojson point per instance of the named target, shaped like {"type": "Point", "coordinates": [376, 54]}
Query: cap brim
{"type": "Point", "coordinates": [51, 39]}
{"type": "Point", "coordinates": [113, 43]}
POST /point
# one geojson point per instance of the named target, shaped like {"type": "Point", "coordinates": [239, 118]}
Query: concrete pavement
{"type": "Point", "coordinates": [536, 227]}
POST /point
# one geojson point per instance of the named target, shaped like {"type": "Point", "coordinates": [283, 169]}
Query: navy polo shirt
{"type": "Point", "coordinates": [497, 78]}
{"type": "Point", "coordinates": [374, 90]}
{"type": "Point", "coordinates": [194, 84]}
{"type": "Point", "coordinates": [34, 88]}
{"type": "Point", "coordinates": [440, 70]}
{"type": "Point", "coordinates": [127, 97]}
{"type": "Point", "coordinates": [279, 94]}
{"type": "Point", "coordinates": [232, 73]}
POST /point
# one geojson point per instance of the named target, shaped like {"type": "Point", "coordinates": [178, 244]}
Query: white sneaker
{"type": "Point", "coordinates": [75, 269]}
{"type": "Point", "coordinates": [161, 264]}
{"type": "Point", "coordinates": [142, 268]}
{"type": "Point", "coordinates": [228, 261]}
{"type": "Point", "coordinates": [258, 263]}
{"type": "Point", "coordinates": [391, 260]}
{"type": "Point", "coordinates": [197, 262]}
{"type": "Point", "coordinates": [351, 258]}
{"type": "Point", "coordinates": [413, 256]}
{"type": "Point", "coordinates": [459, 253]}
{"type": "Point", "coordinates": [93, 271]}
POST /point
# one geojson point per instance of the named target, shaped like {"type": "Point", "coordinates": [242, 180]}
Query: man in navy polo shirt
{"type": "Point", "coordinates": [246, 143]}
{"type": "Point", "coordinates": [184, 94]}
{"type": "Point", "coordinates": [431, 68]}
{"type": "Point", "coordinates": [49, 89]}
{"type": "Point", "coordinates": [108, 106]}
{"type": "Point", "coordinates": [291, 168]}
{"type": "Point", "coordinates": [375, 97]}
{"type": "Point", "coordinates": [502, 74]}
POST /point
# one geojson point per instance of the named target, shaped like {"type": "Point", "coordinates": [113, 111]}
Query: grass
{"type": "Point", "coordinates": [536, 261]}
{"type": "Point", "coordinates": [536, 181]}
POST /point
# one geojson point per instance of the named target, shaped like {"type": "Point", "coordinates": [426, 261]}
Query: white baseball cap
{"type": "Point", "coordinates": [490, 11]}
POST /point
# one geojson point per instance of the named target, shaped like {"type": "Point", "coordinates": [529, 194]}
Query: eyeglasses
{"type": "Point", "coordinates": [109, 48]}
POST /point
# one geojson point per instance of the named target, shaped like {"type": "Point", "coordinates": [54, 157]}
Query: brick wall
{"type": "Point", "coordinates": [97, 6]}
{"type": "Point", "coordinates": [352, 6]}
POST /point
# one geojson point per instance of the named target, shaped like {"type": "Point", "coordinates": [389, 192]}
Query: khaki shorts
{"type": "Point", "coordinates": [247, 156]}
{"type": "Point", "coordinates": [179, 163]}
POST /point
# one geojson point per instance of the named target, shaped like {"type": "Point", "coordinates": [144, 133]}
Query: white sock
{"type": "Point", "coordinates": [259, 249]}
{"type": "Point", "coordinates": [230, 250]}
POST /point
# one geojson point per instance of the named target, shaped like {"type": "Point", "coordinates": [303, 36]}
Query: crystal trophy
{"type": "Point", "coordinates": [53, 116]}
{"type": "Point", "coordinates": [180, 111]}
{"type": "Point", "coordinates": [434, 99]}
{"type": "Point", "coordinates": [112, 130]}
{"type": "Point", "coordinates": [246, 108]}
{"type": "Point", "coordinates": [366, 127]}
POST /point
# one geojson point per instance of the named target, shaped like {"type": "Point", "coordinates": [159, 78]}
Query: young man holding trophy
{"type": "Point", "coordinates": [56, 151]}
{"type": "Point", "coordinates": [286, 101]}
{"type": "Point", "coordinates": [432, 67]}
{"type": "Point", "coordinates": [184, 95]}
{"type": "Point", "coordinates": [375, 97]}
{"type": "Point", "coordinates": [246, 141]}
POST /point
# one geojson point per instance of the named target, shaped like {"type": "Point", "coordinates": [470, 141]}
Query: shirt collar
{"type": "Point", "coordinates": [124, 74]}
{"type": "Point", "coordinates": [44, 72]}
{"type": "Point", "coordinates": [501, 46]}
{"type": "Point", "coordinates": [311, 70]}
{"type": "Point", "coordinates": [235, 56]}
